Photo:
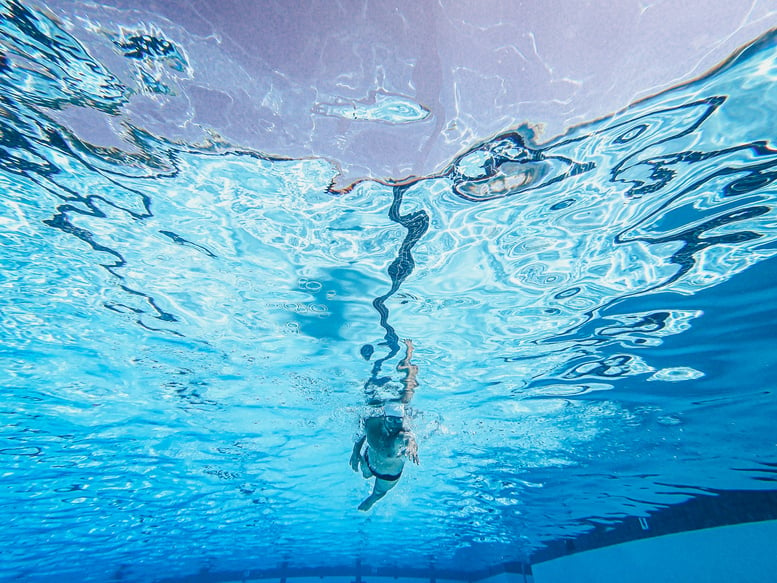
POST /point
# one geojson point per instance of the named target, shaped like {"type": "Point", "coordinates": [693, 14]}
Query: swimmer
{"type": "Point", "coordinates": [388, 438]}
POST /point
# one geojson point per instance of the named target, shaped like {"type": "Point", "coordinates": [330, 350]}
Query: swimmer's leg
{"type": "Point", "coordinates": [380, 489]}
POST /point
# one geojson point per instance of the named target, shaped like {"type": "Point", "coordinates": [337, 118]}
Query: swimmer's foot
{"type": "Point", "coordinates": [368, 503]}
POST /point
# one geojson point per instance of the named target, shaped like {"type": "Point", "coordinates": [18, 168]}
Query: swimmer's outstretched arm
{"type": "Point", "coordinates": [405, 364]}
{"type": "Point", "coordinates": [411, 372]}
{"type": "Point", "coordinates": [356, 454]}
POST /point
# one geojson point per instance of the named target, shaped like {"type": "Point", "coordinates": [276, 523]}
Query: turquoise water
{"type": "Point", "coordinates": [192, 333]}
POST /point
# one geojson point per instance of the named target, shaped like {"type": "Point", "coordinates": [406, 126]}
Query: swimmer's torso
{"type": "Point", "coordinates": [386, 443]}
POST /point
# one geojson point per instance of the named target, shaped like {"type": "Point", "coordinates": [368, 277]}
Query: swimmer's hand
{"type": "Point", "coordinates": [356, 454]}
{"type": "Point", "coordinates": [411, 450]}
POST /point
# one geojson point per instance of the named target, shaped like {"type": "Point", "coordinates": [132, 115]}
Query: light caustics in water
{"type": "Point", "coordinates": [182, 324]}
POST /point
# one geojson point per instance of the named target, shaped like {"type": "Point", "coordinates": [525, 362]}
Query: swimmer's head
{"type": "Point", "coordinates": [394, 409]}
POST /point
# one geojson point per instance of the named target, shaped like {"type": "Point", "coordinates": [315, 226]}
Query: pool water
{"type": "Point", "coordinates": [195, 333]}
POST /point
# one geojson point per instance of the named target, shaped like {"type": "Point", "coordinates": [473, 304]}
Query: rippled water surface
{"type": "Point", "coordinates": [191, 332]}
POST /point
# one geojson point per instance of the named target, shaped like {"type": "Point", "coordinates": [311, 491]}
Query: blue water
{"type": "Point", "coordinates": [191, 332]}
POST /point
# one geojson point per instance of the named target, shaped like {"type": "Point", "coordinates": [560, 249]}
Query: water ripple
{"type": "Point", "coordinates": [185, 326]}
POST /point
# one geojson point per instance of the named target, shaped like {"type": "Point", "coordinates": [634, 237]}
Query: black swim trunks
{"type": "Point", "coordinates": [387, 477]}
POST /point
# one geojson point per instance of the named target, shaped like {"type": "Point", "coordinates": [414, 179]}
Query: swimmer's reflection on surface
{"type": "Point", "coordinates": [387, 439]}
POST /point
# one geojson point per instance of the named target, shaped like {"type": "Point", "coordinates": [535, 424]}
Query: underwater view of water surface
{"type": "Point", "coordinates": [201, 342]}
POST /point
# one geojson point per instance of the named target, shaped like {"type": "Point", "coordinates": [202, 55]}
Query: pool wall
{"type": "Point", "coordinates": [728, 554]}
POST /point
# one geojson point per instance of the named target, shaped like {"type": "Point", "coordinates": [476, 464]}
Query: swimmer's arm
{"type": "Point", "coordinates": [405, 363]}
{"type": "Point", "coordinates": [411, 447]}
{"type": "Point", "coordinates": [409, 382]}
{"type": "Point", "coordinates": [356, 454]}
